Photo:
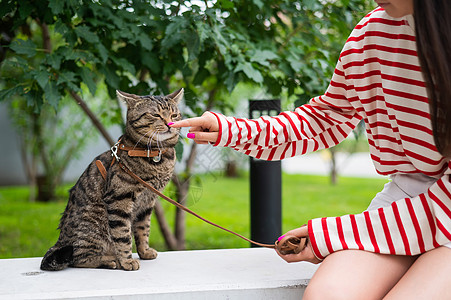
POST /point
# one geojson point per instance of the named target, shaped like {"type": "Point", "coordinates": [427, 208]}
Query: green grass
{"type": "Point", "coordinates": [29, 229]}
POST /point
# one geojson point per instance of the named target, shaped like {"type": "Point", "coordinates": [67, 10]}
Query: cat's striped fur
{"type": "Point", "coordinates": [101, 216]}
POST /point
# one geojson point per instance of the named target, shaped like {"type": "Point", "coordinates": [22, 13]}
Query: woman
{"type": "Point", "coordinates": [393, 73]}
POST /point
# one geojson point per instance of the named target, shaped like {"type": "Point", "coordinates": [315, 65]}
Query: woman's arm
{"type": "Point", "coordinates": [409, 226]}
{"type": "Point", "coordinates": [324, 122]}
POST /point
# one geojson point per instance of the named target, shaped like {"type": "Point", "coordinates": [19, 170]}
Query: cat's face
{"type": "Point", "coordinates": [148, 118]}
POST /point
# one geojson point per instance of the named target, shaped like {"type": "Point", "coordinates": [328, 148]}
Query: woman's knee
{"type": "Point", "coordinates": [324, 288]}
{"type": "Point", "coordinates": [353, 274]}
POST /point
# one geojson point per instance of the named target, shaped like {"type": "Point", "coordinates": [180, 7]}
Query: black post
{"type": "Point", "coordinates": [265, 185]}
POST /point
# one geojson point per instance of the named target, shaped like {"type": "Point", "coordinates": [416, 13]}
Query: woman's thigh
{"type": "Point", "coordinates": [354, 274]}
{"type": "Point", "coordinates": [428, 278]}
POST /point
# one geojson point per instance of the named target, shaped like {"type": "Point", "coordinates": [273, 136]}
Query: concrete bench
{"type": "Point", "coordinates": [251, 273]}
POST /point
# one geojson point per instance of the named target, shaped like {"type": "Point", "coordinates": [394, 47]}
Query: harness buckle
{"type": "Point", "coordinates": [157, 158]}
{"type": "Point", "coordinates": [114, 150]}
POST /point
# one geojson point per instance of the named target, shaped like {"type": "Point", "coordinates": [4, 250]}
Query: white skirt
{"type": "Point", "coordinates": [402, 186]}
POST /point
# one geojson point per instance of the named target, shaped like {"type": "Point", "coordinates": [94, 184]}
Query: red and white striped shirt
{"type": "Point", "coordinates": [377, 79]}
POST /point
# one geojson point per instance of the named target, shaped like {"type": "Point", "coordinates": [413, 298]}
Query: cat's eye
{"type": "Point", "coordinates": [156, 116]}
{"type": "Point", "coordinates": [174, 116]}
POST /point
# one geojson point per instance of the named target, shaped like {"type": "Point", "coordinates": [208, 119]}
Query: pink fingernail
{"type": "Point", "coordinates": [170, 123]}
{"type": "Point", "coordinates": [191, 135]}
{"type": "Point", "coordinates": [280, 237]}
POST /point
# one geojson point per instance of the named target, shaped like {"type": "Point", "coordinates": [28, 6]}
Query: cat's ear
{"type": "Point", "coordinates": [176, 96]}
{"type": "Point", "coordinates": [130, 99]}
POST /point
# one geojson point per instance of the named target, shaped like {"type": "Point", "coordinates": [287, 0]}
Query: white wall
{"type": "Point", "coordinates": [11, 168]}
{"type": "Point", "coordinates": [12, 171]}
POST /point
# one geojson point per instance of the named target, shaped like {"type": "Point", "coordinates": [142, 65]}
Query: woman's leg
{"type": "Point", "coordinates": [428, 278]}
{"type": "Point", "coordinates": [354, 274]}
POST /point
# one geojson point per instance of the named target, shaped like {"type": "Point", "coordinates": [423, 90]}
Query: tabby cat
{"type": "Point", "coordinates": [101, 215]}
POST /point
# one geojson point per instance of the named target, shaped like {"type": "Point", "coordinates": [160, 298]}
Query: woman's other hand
{"type": "Point", "coordinates": [306, 254]}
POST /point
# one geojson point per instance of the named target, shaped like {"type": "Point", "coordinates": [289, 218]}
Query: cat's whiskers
{"type": "Point", "coordinates": [149, 141]}
{"type": "Point", "coordinates": [151, 135]}
{"type": "Point", "coordinates": [158, 142]}
{"type": "Point", "coordinates": [142, 137]}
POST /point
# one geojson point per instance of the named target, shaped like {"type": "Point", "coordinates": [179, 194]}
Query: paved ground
{"type": "Point", "coordinates": [357, 164]}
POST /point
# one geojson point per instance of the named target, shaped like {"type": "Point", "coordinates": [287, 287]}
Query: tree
{"type": "Point", "coordinates": [50, 140]}
{"type": "Point", "coordinates": [145, 46]}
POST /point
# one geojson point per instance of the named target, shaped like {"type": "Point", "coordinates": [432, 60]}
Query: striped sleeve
{"type": "Point", "coordinates": [409, 226]}
{"type": "Point", "coordinates": [324, 122]}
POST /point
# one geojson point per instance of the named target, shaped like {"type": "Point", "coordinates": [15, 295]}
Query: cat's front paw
{"type": "Point", "coordinates": [148, 253]}
{"type": "Point", "coordinates": [130, 264]}
{"type": "Point", "coordinates": [111, 264]}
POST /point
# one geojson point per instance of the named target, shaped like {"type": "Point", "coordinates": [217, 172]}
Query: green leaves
{"type": "Point", "coordinates": [225, 4]}
{"type": "Point", "coordinates": [56, 6]}
{"type": "Point", "coordinates": [103, 52]}
{"type": "Point", "coordinates": [52, 94]}
{"type": "Point", "coordinates": [85, 33]}
{"type": "Point", "coordinates": [112, 79]}
{"type": "Point", "coordinates": [42, 77]}
{"type": "Point", "coordinates": [68, 78]}
{"type": "Point", "coordinates": [7, 94]}
{"type": "Point", "coordinates": [87, 78]}
{"type": "Point", "coordinates": [174, 33]}
{"type": "Point", "coordinates": [192, 44]}
{"type": "Point", "coordinates": [264, 57]}
{"type": "Point", "coordinates": [145, 41]}
{"type": "Point", "coordinates": [26, 47]}
{"type": "Point", "coordinates": [259, 3]}
{"type": "Point", "coordinates": [150, 46]}
{"type": "Point", "coordinates": [250, 72]}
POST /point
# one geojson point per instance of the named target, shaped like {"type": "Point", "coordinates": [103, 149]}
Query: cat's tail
{"type": "Point", "coordinates": [57, 258]}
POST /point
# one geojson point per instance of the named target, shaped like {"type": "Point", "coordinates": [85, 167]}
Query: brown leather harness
{"type": "Point", "coordinates": [285, 245]}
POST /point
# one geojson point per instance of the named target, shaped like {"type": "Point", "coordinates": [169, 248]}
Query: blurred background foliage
{"type": "Point", "coordinates": [29, 229]}
{"type": "Point", "coordinates": [55, 53]}
{"type": "Point", "coordinates": [53, 47]}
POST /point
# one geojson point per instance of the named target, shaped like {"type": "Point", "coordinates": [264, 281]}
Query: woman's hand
{"type": "Point", "coordinates": [304, 255]}
{"type": "Point", "coordinates": [204, 129]}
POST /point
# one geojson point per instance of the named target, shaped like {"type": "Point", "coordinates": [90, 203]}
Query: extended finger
{"type": "Point", "coordinates": [191, 122]}
{"type": "Point", "coordinates": [202, 137]}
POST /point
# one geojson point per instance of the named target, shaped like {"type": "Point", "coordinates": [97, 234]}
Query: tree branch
{"type": "Point", "coordinates": [93, 117]}
{"type": "Point", "coordinates": [169, 238]}
{"type": "Point", "coordinates": [47, 43]}
{"type": "Point", "coordinates": [191, 159]}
